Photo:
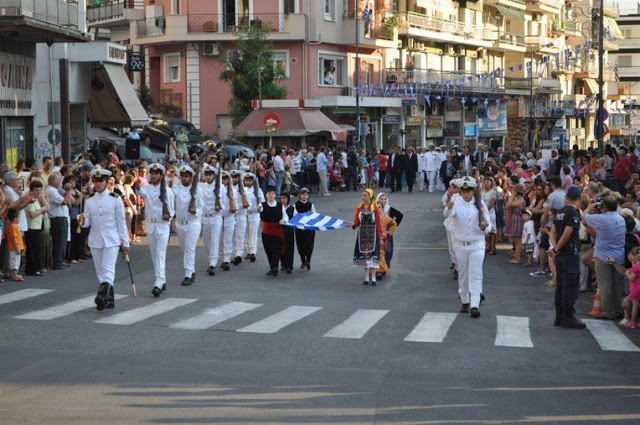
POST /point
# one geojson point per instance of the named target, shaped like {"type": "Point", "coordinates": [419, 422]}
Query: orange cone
{"type": "Point", "coordinates": [597, 305]}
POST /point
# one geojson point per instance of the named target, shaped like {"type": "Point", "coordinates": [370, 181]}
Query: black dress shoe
{"type": "Point", "coordinates": [186, 281]}
{"type": "Point", "coordinates": [452, 266]}
{"type": "Point", "coordinates": [247, 257]}
{"type": "Point", "coordinates": [252, 258]}
{"type": "Point", "coordinates": [164, 287]}
{"type": "Point", "coordinates": [193, 278]}
{"type": "Point", "coordinates": [475, 313]}
{"type": "Point", "coordinates": [308, 266]}
{"type": "Point", "coordinates": [464, 308]}
{"type": "Point", "coordinates": [211, 270]}
{"type": "Point", "coordinates": [373, 283]}
{"type": "Point", "coordinates": [156, 291]}
{"type": "Point", "coordinates": [225, 266]}
{"type": "Point", "coordinates": [272, 272]}
{"type": "Point", "coordinates": [102, 298]}
{"type": "Point", "coordinates": [111, 302]}
{"type": "Point", "coordinates": [481, 297]}
{"type": "Point", "coordinates": [237, 260]}
{"type": "Point", "coordinates": [288, 271]}
{"type": "Point", "coordinates": [366, 282]}
{"type": "Point", "coordinates": [303, 265]}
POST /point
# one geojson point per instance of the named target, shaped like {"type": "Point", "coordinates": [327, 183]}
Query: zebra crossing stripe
{"type": "Point", "coordinates": [609, 337]}
{"type": "Point", "coordinates": [273, 324]}
{"type": "Point", "coordinates": [357, 325]}
{"type": "Point", "coordinates": [65, 309]}
{"type": "Point", "coordinates": [432, 328]}
{"type": "Point", "coordinates": [22, 295]}
{"type": "Point", "coordinates": [513, 332]}
{"type": "Point", "coordinates": [216, 315]}
{"type": "Point", "coordinates": [142, 313]}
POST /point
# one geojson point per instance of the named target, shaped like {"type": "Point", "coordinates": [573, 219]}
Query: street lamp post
{"type": "Point", "coordinates": [600, 112]}
{"type": "Point", "coordinates": [357, 82]}
{"type": "Point", "coordinates": [531, 103]}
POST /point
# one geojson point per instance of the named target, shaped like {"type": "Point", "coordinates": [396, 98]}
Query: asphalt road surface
{"type": "Point", "coordinates": [311, 347]}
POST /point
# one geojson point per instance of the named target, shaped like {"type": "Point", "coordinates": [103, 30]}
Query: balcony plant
{"type": "Point", "coordinates": [389, 24]}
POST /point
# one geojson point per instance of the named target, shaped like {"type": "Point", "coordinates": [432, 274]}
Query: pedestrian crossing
{"type": "Point", "coordinates": [432, 327]}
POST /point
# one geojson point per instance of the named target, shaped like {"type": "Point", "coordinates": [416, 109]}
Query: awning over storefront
{"type": "Point", "coordinates": [591, 85]}
{"type": "Point", "coordinates": [113, 101]}
{"type": "Point", "coordinates": [613, 27]}
{"type": "Point", "coordinates": [292, 122]}
{"type": "Point", "coordinates": [510, 13]}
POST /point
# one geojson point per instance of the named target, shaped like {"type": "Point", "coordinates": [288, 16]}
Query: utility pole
{"type": "Point", "coordinates": [600, 112]}
{"type": "Point", "coordinates": [357, 82]}
{"type": "Point", "coordinates": [531, 104]}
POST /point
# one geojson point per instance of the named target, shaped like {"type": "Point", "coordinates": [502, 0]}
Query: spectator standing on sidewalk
{"type": "Point", "coordinates": [321, 168]}
{"type": "Point", "coordinates": [58, 198]}
{"type": "Point", "coordinates": [610, 237]}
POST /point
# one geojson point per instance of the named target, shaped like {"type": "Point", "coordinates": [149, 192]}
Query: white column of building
{"type": "Point", "coordinates": [193, 84]}
{"type": "Point", "coordinates": [147, 76]}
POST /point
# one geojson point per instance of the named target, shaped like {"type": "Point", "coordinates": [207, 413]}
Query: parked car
{"type": "Point", "coordinates": [233, 148]}
{"type": "Point", "coordinates": [105, 148]}
{"type": "Point", "coordinates": [156, 134]}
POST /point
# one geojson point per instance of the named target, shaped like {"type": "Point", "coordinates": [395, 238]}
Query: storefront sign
{"type": "Point", "coordinates": [136, 62]}
{"type": "Point", "coordinates": [435, 126]}
{"type": "Point", "coordinates": [409, 101]}
{"type": "Point", "coordinates": [470, 130]}
{"type": "Point", "coordinates": [391, 119]}
{"type": "Point", "coordinates": [577, 132]}
{"type": "Point", "coordinates": [116, 53]}
{"type": "Point", "coordinates": [16, 85]}
{"type": "Point", "coordinates": [414, 120]}
{"type": "Point", "coordinates": [496, 119]}
{"type": "Point", "coordinates": [451, 133]}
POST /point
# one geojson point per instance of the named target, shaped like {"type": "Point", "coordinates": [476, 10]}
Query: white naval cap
{"type": "Point", "coordinates": [100, 174]}
{"type": "Point", "coordinates": [186, 169]}
{"type": "Point", "coordinates": [250, 176]}
{"type": "Point", "coordinates": [155, 167]}
{"type": "Point", "coordinates": [226, 174]}
{"type": "Point", "coordinates": [466, 182]}
{"type": "Point", "coordinates": [236, 173]}
{"type": "Point", "coordinates": [209, 168]}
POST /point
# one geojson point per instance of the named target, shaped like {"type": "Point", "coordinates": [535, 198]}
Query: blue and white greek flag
{"type": "Point", "coordinates": [315, 221]}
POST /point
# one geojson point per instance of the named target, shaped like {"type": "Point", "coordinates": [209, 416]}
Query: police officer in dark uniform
{"type": "Point", "coordinates": [565, 248]}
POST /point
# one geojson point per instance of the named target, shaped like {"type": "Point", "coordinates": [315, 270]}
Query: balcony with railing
{"type": "Point", "coordinates": [514, 4]}
{"type": "Point", "coordinates": [611, 8]}
{"type": "Point", "coordinates": [371, 33]}
{"type": "Point", "coordinates": [42, 20]}
{"type": "Point", "coordinates": [213, 27]}
{"type": "Point", "coordinates": [591, 71]}
{"type": "Point", "coordinates": [510, 41]}
{"type": "Point", "coordinates": [545, 6]}
{"type": "Point", "coordinates": [418, 25]}
{"type": "Point", "coordinates": [112, 14]}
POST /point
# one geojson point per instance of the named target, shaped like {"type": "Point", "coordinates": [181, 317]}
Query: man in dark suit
{"type": "Point", "coordinates": [401, 168]}
{"type": "Point", "coordinates": [481, 154]}
{"type": "Point", "coordinates": [468, 160]}
{"type": "Point", "coordinates": [412, 168]}
{"type": "Point", "coordinates": [392, 167]}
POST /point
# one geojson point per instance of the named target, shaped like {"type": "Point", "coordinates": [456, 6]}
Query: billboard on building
{"type": "Point", "coordinates": [16, 85]}
{"type": "Point", "coordinates": [493, 119]}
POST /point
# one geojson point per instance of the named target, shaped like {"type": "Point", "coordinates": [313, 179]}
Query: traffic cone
{"type": "Point", "coordinates": [597, 305]}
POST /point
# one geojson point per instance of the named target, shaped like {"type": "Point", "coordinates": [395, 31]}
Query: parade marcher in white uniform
{"type": "Point", "coordinates": [256, 198]}
{"type": "Point", "coordinates": [450, 228]}
{"type": "Point", "coordinates": [243, 205]}
{"type": "Point", "coordinates": [422, 163]}
{"type": "Point", "coordinates": [442, 156]}
{"type": "Point", "coordinates": [188, 224]}
{"type": "Point", "coordinates": [471, 224]}
{"type": "Point", "coordinates": [432, 166]}
{"type": "Point", "coordinates": [104, 214]}
{"type": "Point", "coordinates": [211, 216]}
{"type": "Point", "coordinates": [159, 202]}
{"type": "Point", "coordinates": [228, 219]}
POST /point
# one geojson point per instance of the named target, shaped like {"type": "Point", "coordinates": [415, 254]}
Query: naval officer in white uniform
{"type": "Point", "coordinates": [188, 226]}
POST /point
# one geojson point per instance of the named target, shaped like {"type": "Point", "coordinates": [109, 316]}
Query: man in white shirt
{"type": "Point", "coordinates": [211, 217]}
{"type": "Point", "coordinates": [104, 215]}
{"type": "Point", "coordinates": [256, 198]}
{"type": "Point", "coordinates": [58, 200]}
{"type": "Point", "coordinates": [432, 166]}
{"type": "Point", "coordinates": [422, 162]}
{"type": "Point", "coordinates": [321, 167]}
{"type": "Point", "coordinates": [543, 164]}
{"type": "Point", "coordinates": [188, 224]}
{"type": "Point", "coordinates": [278, 169]}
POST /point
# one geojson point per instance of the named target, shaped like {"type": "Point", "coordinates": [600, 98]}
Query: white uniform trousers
{"type": "Point", "coordinates": [158, 240]}
{"type": "Point", "coordinates": [211, 231]}
{"type": "Point", "coordinates": [228, 227]}
{"type": "Point", "coordinates": [239, 234]}
{"type": "Point", "coordinates": [104, 260]}
{"type": "Point", "coordinates": [451, 241]}
{"type": "Point", "coordinates": [470, 259]}
{"type": "Point", "coordinates": [420, 177]}
{"type": "Point", "coordinates": [253, 228]}
{"type": "Point", "coordinates": [188, 235]}
{"type": "Point", "coordinates": [434, 180]}
{"type": "Point", "coordinates": [438, 179]}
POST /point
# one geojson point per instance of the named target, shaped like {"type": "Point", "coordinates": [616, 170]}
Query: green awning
{"type": "Point", "coordinates": [510, 13]}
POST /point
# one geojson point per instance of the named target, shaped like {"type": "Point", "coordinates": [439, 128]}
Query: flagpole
{"type": "Point", "coordinates": [600, 113]}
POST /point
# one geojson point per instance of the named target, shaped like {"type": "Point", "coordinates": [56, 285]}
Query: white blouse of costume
{"type": "Point", "coordinates": [465, 219]}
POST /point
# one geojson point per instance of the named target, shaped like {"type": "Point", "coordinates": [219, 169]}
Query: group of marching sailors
{"type": "Point", "coordinates": [226, 207]}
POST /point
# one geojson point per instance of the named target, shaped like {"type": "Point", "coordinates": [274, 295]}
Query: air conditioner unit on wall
{"type": "Point", "coordinates": [211, 49]}
{"type": "Point", "coordinates": [460, 50]}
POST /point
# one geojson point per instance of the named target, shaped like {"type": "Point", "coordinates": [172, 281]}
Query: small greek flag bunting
{"type": "Point", "coordinates": [315, 221]}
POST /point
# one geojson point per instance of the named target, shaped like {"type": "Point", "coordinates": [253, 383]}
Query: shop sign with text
{"type": "Point", "coordinates": [16, 85]}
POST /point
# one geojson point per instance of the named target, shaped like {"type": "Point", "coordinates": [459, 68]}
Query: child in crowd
{"type": "Point", "coordinates": [370, 174]}
{"type": "Point", "coordinates": [528, 236]}
{"type": "Point", "coordinates": [286, 260]}
{"type": "Point", "coordinates": [633, 274]}
{"type": "Point", "coordinates": [15, 245]}
{"type": "Point", "coordinates": [286, 179]}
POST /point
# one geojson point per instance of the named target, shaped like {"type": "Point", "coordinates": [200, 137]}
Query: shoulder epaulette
{"type": "Point", "coordinates": [115, 195]}
{"type": "Point", "coordinates": [90, 195]}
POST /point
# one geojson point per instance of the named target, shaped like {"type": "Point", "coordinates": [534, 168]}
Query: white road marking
{"type": "Point", "coordinates": [357, 325]}
{"type": "Point", "coordinates": [22, 295]}
{"type": "Point", "coordinates": [609, 337]}
{"type": "Point", "coordinates": [139, 314]}
{"type": "Point", "coordinates": [432, 328]}
{"type": "Point", "coordinates": [274, 323]}
{"type": "Point", "coordinates": [65, 309]}
{"type": "Point", "coordinates": [216, 315]}
{"type": "Point", "coordinates": [513, 332]}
